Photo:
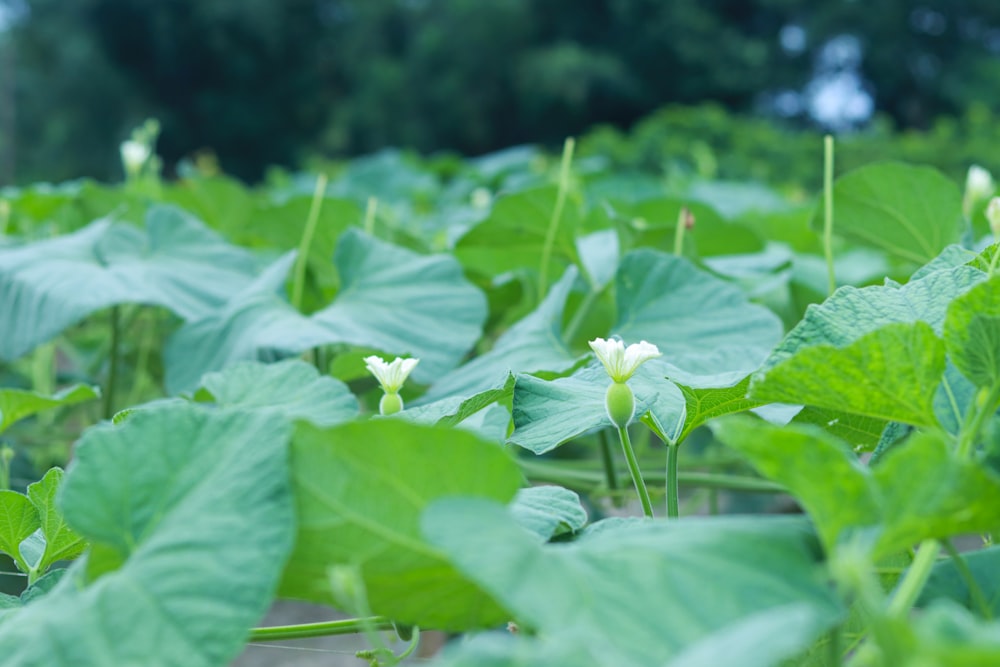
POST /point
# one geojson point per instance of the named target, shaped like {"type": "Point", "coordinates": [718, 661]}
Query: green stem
{"type": "Point", "coordinates": [975, 591]}
{"type": "Point", "coordinates": [548, 472]}
{"type": "Point", "coordinates": [557, 211]}
{"type": "Point", "coordinates": [993, 263]}
{"type": "Point", "coordinates": [633, 467]}
{"type": "Point", "coordinates": [828, 211]}
{"type": "Point", "coordinates": [610, 472]}
{"type": "Point", "coordinates": [6, 459]}
{"type": "Point", "coordinates": [299, 280]}
{"type": "Point", "coordinates": [673, 506]}
{"type": "Point", "coordinates": [370, 210]}
{"type": "Point", "coordinates": [348, 626]}
{"type": "Point", "coordinates": [916, 576]}
{"type": "Point", "coordinates": [833, 646]}
{"type": "Point", "coordinates": [581, 312]}
{"type": "Point", "coordinates": [109, 390]}
{"type": "Point", "coordinates": [414, 643]}
{"type": "Point", "coordinates": [682, 219]}
{"type": "Point", "coordinates": [970, 431]}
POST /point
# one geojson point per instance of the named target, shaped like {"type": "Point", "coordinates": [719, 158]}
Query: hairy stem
{"type": "Point", "coordinates": [633, 466]}
{"type": "Point", "coordinates": [673, 504]}
{"type": "Point", "coordinates": [828, 212]}
{"type": "Point", "coordinates": [557, 211]}
{"type": "Point", "coordinates": [916, 576]}
{"type": "Point", "coordinates": [298, 282]}
{"type": "Point", "coordinates": [113, 354]}
{"type": "Point", "coordinates": [349, 626]}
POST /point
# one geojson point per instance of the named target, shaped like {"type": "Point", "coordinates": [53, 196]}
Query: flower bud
{"type": "Point", "coordinates": [620, 404]}
{"type": "Point", "coordinates": [978, 184]}
{"type": "Point", "coordinates": [390, 404]}
{"type": "Point", "coordinates": [993, 215]}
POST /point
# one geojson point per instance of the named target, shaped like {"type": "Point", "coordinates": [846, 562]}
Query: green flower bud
{"type": "Point", "coordinates": [390, 404]}
{"type": "Point", "coordinates": [620, 404]}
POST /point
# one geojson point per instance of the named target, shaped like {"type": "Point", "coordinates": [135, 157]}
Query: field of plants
{"type": "Point", "coordinates": [447, 394]}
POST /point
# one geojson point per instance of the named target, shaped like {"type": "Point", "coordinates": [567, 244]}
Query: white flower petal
{"type": "Point", "coordinates": [390, 375]}
{"type": "Point", "coordinates": [621, 362]}
{"type": "Point", "coordinates": [978, 183]}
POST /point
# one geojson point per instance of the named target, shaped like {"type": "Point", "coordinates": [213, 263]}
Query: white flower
{"type": "Point", "coordinates": [134, 155]}
{"type": "Point", "coordinates": [978, 183]}
{"type": "Point", "coordinates": [390, 375]}
{"type": "Point", "coordinates": [621, 362]}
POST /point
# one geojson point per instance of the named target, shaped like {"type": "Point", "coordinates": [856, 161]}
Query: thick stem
{"type": "Point", "coordinates": [633, 466]}
{"type": "Point", "coordinates": [828, 212]}
{"type": "Point", "coordinates": [673, 504]}
{"type": "Point", "coordinates": [916, 576]}
{"type": "Point", "coordinates": [682, 221]}
{"type": "Point", "coordinates": [557, 210]}
{"type": "Point", "coordinates": [587, 480]}
{"type": "Point", "coordinates": [349, 626]}
{"type": "Point", "coordinates": [109, 389]}
{"type": "Point", "coordinates": [302, 261]}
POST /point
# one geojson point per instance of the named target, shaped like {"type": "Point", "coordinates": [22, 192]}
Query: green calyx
{"type": "Point", "coordinates": [390, 404]}
{"type": "Point", "coordinates": [620, 404]}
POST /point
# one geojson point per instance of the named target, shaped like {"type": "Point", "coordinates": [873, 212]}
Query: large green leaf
{"type": "Point", "coordinates": [972, 333]}
{"type": "Point", "coordinates": [17, 404]}
{"type": "Point", "coordinates": [453, 410]}
{"type": "Point", "coordinates": [549, 413]}
{"type": "Point", "coordinates": [690, 316]}
{"type": "Point", "coordinates": [18, 520]}
{"type": "Point", "coordinates": [919, 490]}
{"type": "Point", "coordinates": [850, 313]}
{"type": "Point", "coordinates": [702, 405]}
{"type": "Point", "coordinates": [533, 344]}
{"type": "Point", "coordinates": [191, 519]}
{"type": "Point", "coordinates": [176, 263]}
{"type": "Point", "coordinates": [910, 212]}
{"type": "Point", "coordinates": [514, 235]}
{"type": "Point", "coordinates": [360, 489]}
{"type": "Point", "coordinates": [290, 388]}
{"type": "Point", "coordinates": [391, 299]}
{"type": "Point", "coordinates": [892, 373]}
{"type": "Point", "coordinates": [634, 592]}
{"type": "Point", "coordinates": [60, 541]}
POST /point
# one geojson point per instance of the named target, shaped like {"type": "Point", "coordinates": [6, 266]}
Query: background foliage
{"type": "Point", "coordinates": [263, 83]}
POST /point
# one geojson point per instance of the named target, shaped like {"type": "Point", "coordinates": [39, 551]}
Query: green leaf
{"type": "Point", "coordinates": [919, 490]}
{"type": "Point", "coordinates": [291, 388]}
{"type": "Point", "coordinates": [850, 313]}
{"type": "Point", "coordinates": [701, 405]}
{"type": "Point", "coordinates": [548, 511]}
{"type": "Point", "coordinates": [194, 506]}
{"type": "Point", "coordinates": [859, 430]}
{"type": "Point", "coordinates": [891, 374]}
{"type": "Point", "coordinates": [946, 582]}
{"type": "Point", "coordinates": [653, 224]}
{"type": "Point", "coordinates": [549, 413]}
{"type": "Point", "coordinates": [360, 489]}
{"type": "Point", "coordinates": [61, 542]}
{"type": "Point", "coordinates": [910, 212]}
{"type": "Point", "coordinates": [18, 520]}
{"type": "Point", "coordinates": [972, 333]}
{"type": "Point", "coordinates": [17, 404]}
{"type": "Point", "coordinates": [513, 236]}
{"type": "Point", "coordinates": [533, 344]}
{"type": "Point", "coordinates": [689, 315]}
{"type": "Point", "coordinates": [391, 299]}
{"type": "Point", "coordinates": [176, 263]}
{"type": "Point", "coordinates": [453, 410]}
{"type": "Point", "coordinates": [946, 634]}
{"type": "Point", "coordinates": [633, 592]}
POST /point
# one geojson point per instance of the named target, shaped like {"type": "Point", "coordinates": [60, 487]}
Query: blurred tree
{"type": "Point", "coordinates": [261, 82]}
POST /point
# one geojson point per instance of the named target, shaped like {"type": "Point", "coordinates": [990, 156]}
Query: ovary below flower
{"type": "Point", "coordinates": [622, 362]}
